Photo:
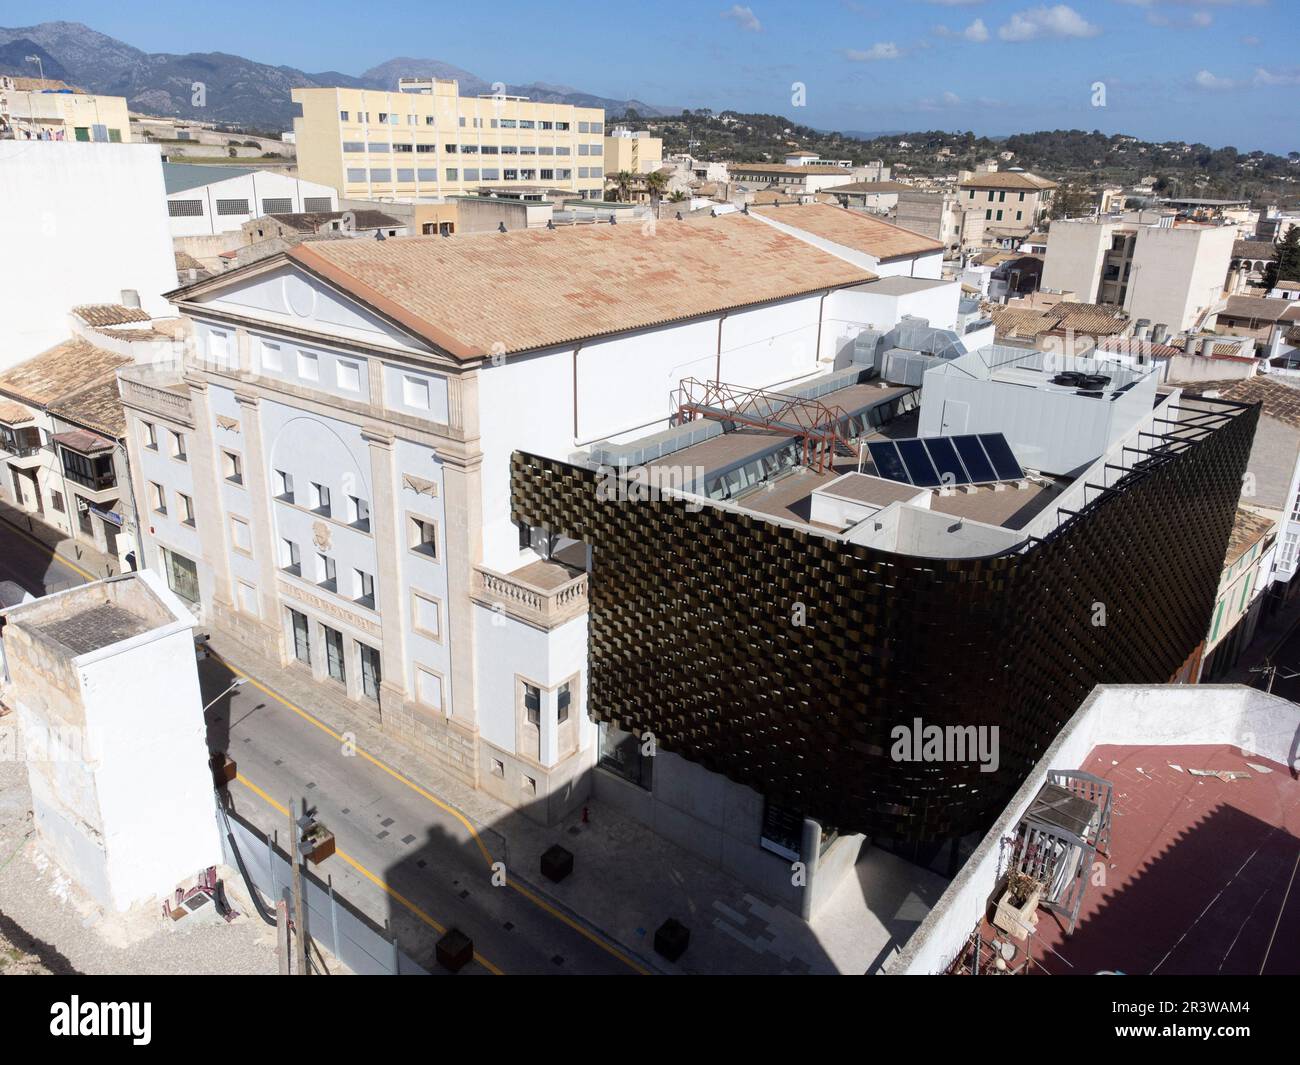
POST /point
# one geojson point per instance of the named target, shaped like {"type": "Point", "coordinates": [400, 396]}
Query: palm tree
{"type": "Point", "coordinates": [677, 196]}
{"type": "Point", "coordinates": [623, 182]}
{"type": "Point", "coordinates": [655, 182]}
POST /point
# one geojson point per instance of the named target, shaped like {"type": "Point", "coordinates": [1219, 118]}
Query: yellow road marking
{"type": "Point", "coordinates": [487, 855]}
{"type": "Point", "coordinates": [52, 553]}
{"type": "Point", "coordinates": [439, 928]}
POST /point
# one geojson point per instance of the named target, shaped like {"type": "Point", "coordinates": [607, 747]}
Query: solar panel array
{"type": "Point", "coordinates": [935, 461]}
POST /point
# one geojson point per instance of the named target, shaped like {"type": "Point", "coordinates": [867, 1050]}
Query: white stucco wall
{"type": "Point", "coordinates": [81, 223]}
{"type": "Point", "coordinates": [255, 188]}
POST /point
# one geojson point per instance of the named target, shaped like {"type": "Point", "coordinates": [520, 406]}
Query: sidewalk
{"type": "Point", "coordinates": [95, 562]}
{"type": "Point", "coordinates": [627, 880]}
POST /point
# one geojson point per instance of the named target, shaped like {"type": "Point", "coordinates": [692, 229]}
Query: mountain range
{"type": "Point", "coordinates": [239, 92]}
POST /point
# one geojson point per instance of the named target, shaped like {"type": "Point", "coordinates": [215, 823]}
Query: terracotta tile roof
{"type": "Point", "coordinates": [1263, 308]}
{"type": "Point", "coordinates": [98, 314]}
{"type": "Point", "coordinates": [852, 229]}
{"type": "Point", "coordinates": [536, 288]}
{"type": "Point", "coordinates": [1280, 401]}
{"type": "Point", "coordinates": [874, 186]}
{"type": "Point", "coordinates": [1007, 179]}
{"type": "Point", "coordinates": [1288, 286]}
{"type": "Point", "coordinates": [186, 261]}
{"type": "Point", "coordinates": [1019, 321]}
{"type": "Point", "coordinates": [1114, 345]}
{"type": "Point", "coordinates": [782, 168]}
{"type": "Point", "coordinates": [84, 440]}
{"type": "Point", "coordinates": [307, 222]}
{"type": "Point", "coordinates": [1094, 318]}
{"type": "Point", "coordinates": [1248, 528]}
{"type": "Point", "coordinates": [14, 413]}
{"type": "Point", "coordinates": [98, 407]}
{"type": "Point", "coordinates": [1253, 249]}
{"type": "Point", "coordinates": [59, 372]}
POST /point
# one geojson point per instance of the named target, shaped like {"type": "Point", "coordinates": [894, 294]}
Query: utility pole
{"type": "Point", "coordinates": [300, 924]}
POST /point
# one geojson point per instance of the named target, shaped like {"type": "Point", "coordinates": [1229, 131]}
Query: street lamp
{"type": "Point", "coordinates": [238, 682]}
{"type": "Point", "coordinates": [40, 67]}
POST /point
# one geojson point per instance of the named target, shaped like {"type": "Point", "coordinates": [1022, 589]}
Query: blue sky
{"type": "Point", "coordinates": [1218, 71]}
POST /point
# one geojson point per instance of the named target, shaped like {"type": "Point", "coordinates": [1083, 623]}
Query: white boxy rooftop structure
{"type": "Point", "coordinates": [106, 690]}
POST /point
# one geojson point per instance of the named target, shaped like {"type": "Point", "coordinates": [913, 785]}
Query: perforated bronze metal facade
{"type": "Point", "coordinates": [693, 634]}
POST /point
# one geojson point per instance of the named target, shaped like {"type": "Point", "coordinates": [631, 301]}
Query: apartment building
{"type": "Point", "coordinates": [634, 151]}
{"type": "Point", "coordinates": [1170, 274]}
{"type": "Point", "coordinates": [426, 140]}
{"type": "Point", "coordinates": [61, 114]}
{"type": "Point", "coordinates": [1011, 202]}
{"type": "Point", "coordinates": [796, 178]}
{"type": "Point", "coordinates": [62, 426]}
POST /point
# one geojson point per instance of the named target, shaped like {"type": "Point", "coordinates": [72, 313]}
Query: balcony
{"type": "Point", "coordinates": [161, 395]}
{"type": "Point", "coordinates": [544, 593]}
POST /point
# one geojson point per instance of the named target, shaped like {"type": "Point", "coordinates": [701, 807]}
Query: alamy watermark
{"type": "Point", "coordinates": [641, 484]}
{"type": "Point", "coordinates": [919, 742]}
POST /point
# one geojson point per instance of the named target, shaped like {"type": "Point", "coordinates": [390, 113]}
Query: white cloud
{"type": "Point", "coordinates": [880, 50]}
{"type": "Point", "coordinates": [1205, 80]}
{"type": "Point", "coordinates": [976, 31]}
{"type": "Point", "coordinates": [1277, 77]}
{"type": "Point", "coordinates": [1059, 20]}
{"type": "Point", "coordinates": [944, 102]}
{"type": "Point", "coordinates": [743, 17]}
{"type": "Point", "coordinates": [1251, 41]}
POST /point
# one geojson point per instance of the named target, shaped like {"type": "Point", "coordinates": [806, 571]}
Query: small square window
{"type": "Point", "coordinates": [308, 366]}
{"type": "Point", "coordinates": [290, 559]}
{"type": "Point", "coordinates": [426, 615]}
{"type": "Point", "coordinates": [528, 785]}
{"type": "Point", "coordinates": [428, 687]}
{"type": "Point", "coordinates": [498, 768]}
{"type": "Point", "coordinates": [272, 357]}
{"type": "Point", "coordinates": [241, 535]}
{"type": "Point", "coordinates": [349, 376]}
{"type": "Point", "coordinates": [187, 509]}
{"type": "Point", "coordinates": [415, 392]}
{"type": "Point", "coordinates": [178, 446]}
{"type": "Point", "coordinates": [424, 537]}
{"type": "Point", "coordinates": [150, 432]}
{"type": "Point", "coordinates": [363, 588]}
{"type": "Point", "coordinates": [157, 498]}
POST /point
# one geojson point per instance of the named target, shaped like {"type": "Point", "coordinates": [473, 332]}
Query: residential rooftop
{"type": "Point", "coordinates": [464, 295]}
{"type": "Point", "coordinates": [59, 372]}
{"type": "Point", "coordinates": [852, 229]}
{"type": "Point", "coordinates": [1007, 179]}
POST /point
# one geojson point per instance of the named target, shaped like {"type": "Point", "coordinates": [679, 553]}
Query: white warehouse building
{"type": "Point", "coordinates": [208, 200]}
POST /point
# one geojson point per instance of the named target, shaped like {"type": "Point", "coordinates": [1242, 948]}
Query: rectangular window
{"type": "Point", "coordinates": [157, 498]}
{"type": "Point", "coordinates": [325, 572]}
{"type": "Point", "coordinates": [533, 704]}
{"type": "Point", "coordinates": [382, 176]}
{"type": "Point", "coordinates": [563, 700]}
{"type": "Point", "coordinates": [320, 498]}
{"type": "Point", "coordinates": [343, 116]}
{"type": "Point", "coordinates": [150, 433]}
{"type": "Point", "coordinates": [356, 174]}
{"type": "Point", "coordinates": [178, 446]}
{"type": "Point", "coordinates": [405, 175]}
{"type": "Point", "coordinates": [276, 205]}
{"type": "Point", "coordinates": [232, 467]}
{"type": "Point", "coordinates": [284, 486]}
{"type": "Point", "coordinates": [354, 146]}
{"type": "Point", "coordinates": [301, 636]}
{"type": "Point", "coordinates": [185, 208]}
{"type": "Point", "coordinates": [56, 501]}
{"type": "Point", "coordinates": [316, 204]}
{"type": "Point", "coordinates": [187, 509]}
{"type": "Point", "coordinates": [453, 174]}
{"type": "Point", "coordinates": [334, 654]}
{"type": "Point", "coordinates": [370, 671]}
{"type": "Point", "coordinates": [290, 559]}
{"type": "Point", "coordinates": [471, 175]}
{"type": "Point", "coordinates": [308, 366]}
{"type": "Point", "coordinates": [363, 588]}
{"type": "Point", "coordinates": [182, 576]}
{"type": "Point", "coordinates": [424, 537]}
{"type": "Point", "coordinates": [228, 207]}
{"type": "Point", "coordinates": [358, 513]}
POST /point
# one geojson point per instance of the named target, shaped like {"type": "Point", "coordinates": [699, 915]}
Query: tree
{"type": "Point", "coordinates": [1287, 267]}
{"type": "Point", "coordinates": [655, 183]}
{"type": "Point", "coordinates": [623, 182]}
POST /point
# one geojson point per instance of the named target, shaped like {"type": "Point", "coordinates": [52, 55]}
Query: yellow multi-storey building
{"type": "Point", "coordinates": [62, 113]}
{"type": "Point", "coordinates": [426, 140]}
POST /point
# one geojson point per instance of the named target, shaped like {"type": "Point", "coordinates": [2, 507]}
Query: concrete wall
{"type": "Point", "coordinates": [255, 188]}
{"type": "Point", "coordinates": [1172, 714]}
{"type": "Point", "coordinates": [81, 223]}
{"type": "Point", "coordinates": [1074, 257]}
{"type": "Point", "coordinates": [1178, 273]}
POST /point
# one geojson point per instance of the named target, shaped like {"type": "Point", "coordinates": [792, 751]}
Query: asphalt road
{"type": "Point", "coordinates": [31, 565]}
{"type": "Point", "coordinates": [402, 857]}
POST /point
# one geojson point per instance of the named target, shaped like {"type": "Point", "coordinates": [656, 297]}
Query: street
{"type": "Point", "coordinates": [404, 856]}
